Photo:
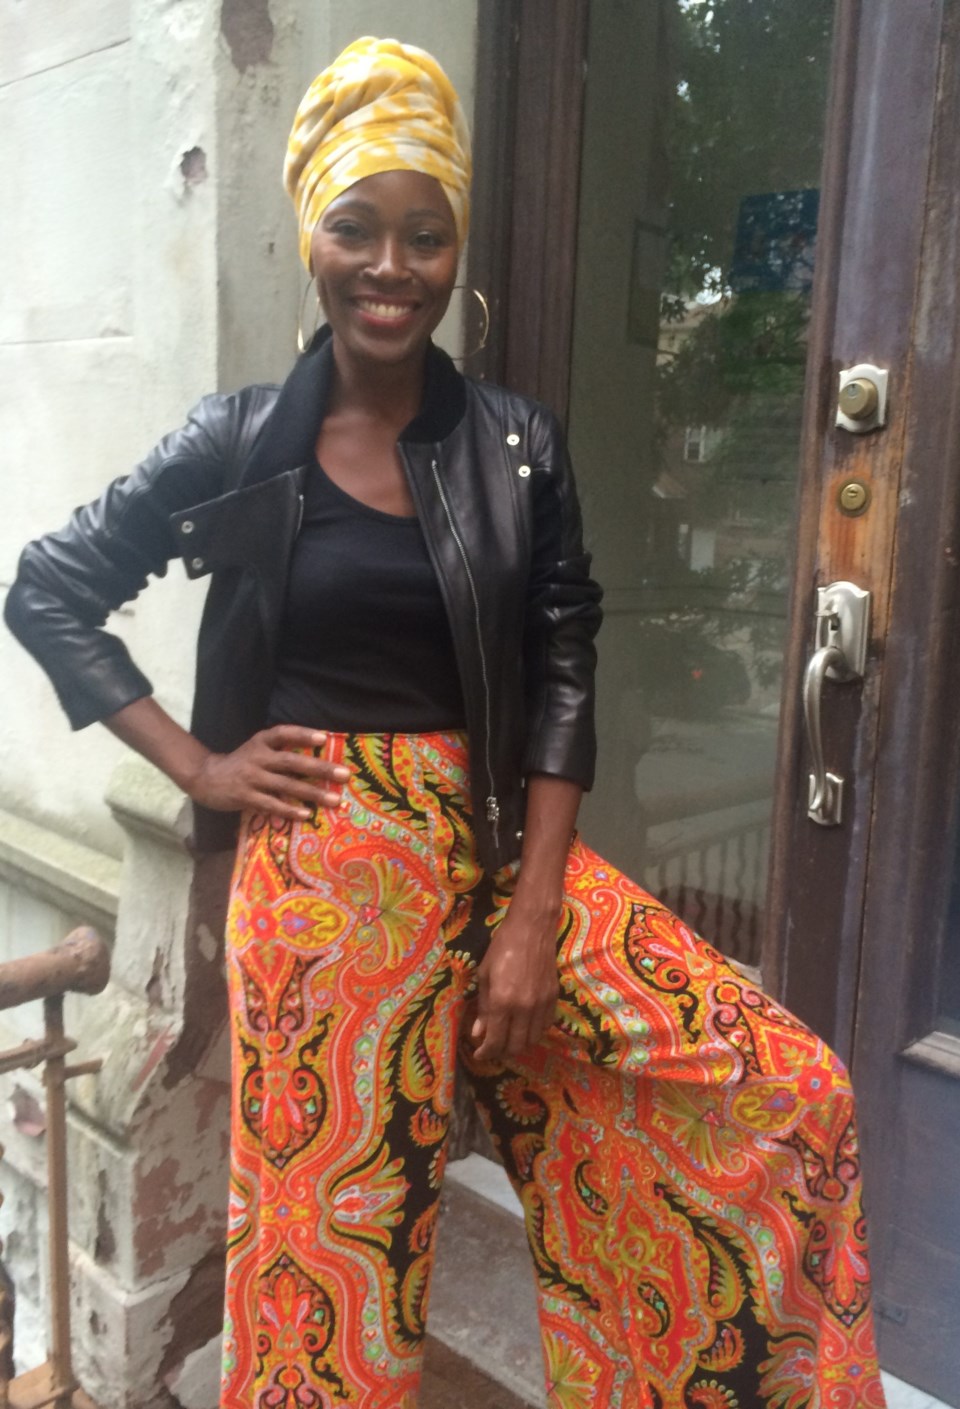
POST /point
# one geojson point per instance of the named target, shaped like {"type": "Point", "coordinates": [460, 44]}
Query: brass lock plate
{"type": "Point", "coordinates": [862, 398]}
{"type": "Point", "coordinates": [853, 498]}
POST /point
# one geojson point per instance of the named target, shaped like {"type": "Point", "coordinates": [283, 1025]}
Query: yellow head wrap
{"type": "Point", "coordinates": [380, 106]}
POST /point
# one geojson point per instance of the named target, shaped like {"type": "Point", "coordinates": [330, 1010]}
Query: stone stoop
{"type": "Point", "coordinates": [482, 1302]}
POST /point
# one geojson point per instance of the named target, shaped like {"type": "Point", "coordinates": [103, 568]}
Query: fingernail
{"type": "Point", "coordinates": [340, 773]}
{"type": "Point", "coordinates": [303, 814]}
{"type": "Point", "coordinates": [319, 738]}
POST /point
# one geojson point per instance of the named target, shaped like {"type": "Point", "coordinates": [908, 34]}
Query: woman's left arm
{"type": "Point", "coordinates": [518, 985]}
{"type": "Point", "coordinates": [517, 980]}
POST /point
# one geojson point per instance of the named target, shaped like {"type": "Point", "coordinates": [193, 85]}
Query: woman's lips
{"type": "Point", "coordinates": [384, 312]}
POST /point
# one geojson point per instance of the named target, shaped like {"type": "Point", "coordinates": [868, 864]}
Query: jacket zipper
{"type": "Point", "coordinates": [492, 805]}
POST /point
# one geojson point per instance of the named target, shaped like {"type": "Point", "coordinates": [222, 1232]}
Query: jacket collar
{"type": "Point", "coordinates": [288, 436]}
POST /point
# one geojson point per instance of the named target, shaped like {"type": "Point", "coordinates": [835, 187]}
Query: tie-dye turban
{"type": "Point", "coordinates": [380, 106]}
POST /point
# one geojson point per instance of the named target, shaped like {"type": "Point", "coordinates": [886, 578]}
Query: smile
{"type": "Point", "coordinates": [379, 309]}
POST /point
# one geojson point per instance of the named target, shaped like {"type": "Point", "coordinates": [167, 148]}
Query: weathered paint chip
{"type": "Point", "coordinates": [193, 166]}
{"type": "Point", "coordinates": [248, 29]}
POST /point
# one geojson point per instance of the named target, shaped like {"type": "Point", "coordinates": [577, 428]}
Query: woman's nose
{"type": "Point", "coordinates": [387, 260]}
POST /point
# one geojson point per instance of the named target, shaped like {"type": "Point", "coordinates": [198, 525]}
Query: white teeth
{"type": "Point", "coordinates": [384, 310]}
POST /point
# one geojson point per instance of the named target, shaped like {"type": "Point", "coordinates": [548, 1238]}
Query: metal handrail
{"type": "Point", "coordinates": [80, 964]}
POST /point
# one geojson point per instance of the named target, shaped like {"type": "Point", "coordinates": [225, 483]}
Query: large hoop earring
{"type": "Point", "coordinates": [302, 342]}
{"type": "Point", "coordinates": [485, 308]}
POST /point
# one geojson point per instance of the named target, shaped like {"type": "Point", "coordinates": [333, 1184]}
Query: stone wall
{"type": "Point", "coordinates": [149, 255]}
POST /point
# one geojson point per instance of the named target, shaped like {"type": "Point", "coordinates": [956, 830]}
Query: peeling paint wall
{"type": "Point", "coordinates": [149, 257]}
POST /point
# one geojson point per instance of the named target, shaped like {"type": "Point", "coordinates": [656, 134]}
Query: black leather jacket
{"type": "Point", "coordinates": [490, 477]}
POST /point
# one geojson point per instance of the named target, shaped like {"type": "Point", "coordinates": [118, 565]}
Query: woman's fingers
{"type": "Point", "coordinates": [276, 807]}
{"type": "Point", "coordinates": [283, 761]}
{"type": "Point", "coordinates": [286, 785]}
{"type": "Point", "coordinates": [293, 736]}
{"type": "Point", "coordinates": [510, 1027]}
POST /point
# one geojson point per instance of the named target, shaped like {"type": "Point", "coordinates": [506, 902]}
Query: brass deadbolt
{"type": "Point", "coordinates": [853, 497]}
{"type": "Point", "coordinates": [859, 399]}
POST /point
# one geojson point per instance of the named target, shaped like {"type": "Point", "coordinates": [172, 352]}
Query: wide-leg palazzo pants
{"type": "Point", "coordinates": [684, 1150]}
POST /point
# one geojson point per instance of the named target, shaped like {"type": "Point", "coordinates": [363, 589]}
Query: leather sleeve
{"type": "Point", "coordinates": [69, 581]}
{"type": "Point", "coordinates": [562, 617]}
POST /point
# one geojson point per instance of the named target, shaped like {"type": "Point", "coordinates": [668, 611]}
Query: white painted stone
{"type": "Point", "coordinates": [35, 37]}
{"type": "Point", "coordinates": [66, 243]}
{"type": "Point", "coordinates": [120, 1336]}
{"type": "Point", "coordinates": [23, 1229]}
{"type": "Point", "coordinates": [196, 1384]}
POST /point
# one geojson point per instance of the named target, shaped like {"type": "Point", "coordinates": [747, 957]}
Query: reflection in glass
{"type": "Point", "coordinates": [702, 150]}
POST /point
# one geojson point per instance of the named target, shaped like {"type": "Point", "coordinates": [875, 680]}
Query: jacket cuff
{"type": "Point", "coordinates": [105, 688]}
{"type": "Point", "coordinates": [565, 753]}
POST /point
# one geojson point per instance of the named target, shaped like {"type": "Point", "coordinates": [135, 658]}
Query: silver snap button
{"type": "Point", "coordinates": [187, 526]}
{"type": "Point", "coordinates": [520, 835]}
{"type": "Point", "coordinates": [513, 438]}
{"type": "Point", "coordinates": [523, 471]}
{"type": "Point", "coordinates": [196, 564]}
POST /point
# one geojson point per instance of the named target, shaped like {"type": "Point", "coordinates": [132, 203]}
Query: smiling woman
{"type": "Point", "coordinates": [395, 710]}
{"type": "Point", "coordinates": [385, 257]}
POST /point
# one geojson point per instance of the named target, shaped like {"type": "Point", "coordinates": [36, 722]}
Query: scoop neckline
{"type": "Point", "coordinates": [360, 507]}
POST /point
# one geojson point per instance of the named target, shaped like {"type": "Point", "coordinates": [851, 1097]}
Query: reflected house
{"type": "Point", "coordinates": [718, 540]}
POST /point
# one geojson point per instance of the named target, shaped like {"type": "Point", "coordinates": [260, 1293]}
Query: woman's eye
{"type": "Point", "coordinates": [348, 230]}
{"type": "Point", "coordinates": [429, 239]}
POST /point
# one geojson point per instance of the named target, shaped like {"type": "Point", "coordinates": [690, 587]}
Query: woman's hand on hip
{"type": "Point", "coordinates": [267, 774]}
{"type": "Point", "coordinates": [518, 986]}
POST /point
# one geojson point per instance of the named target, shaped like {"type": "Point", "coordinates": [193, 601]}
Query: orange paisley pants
{"type": "Point", "coordinates": [684, 1150]}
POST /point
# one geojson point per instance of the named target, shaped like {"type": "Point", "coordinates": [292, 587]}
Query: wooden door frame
{"type": "Point", "coordinates": [902, 1062]}
{"type": "Point", "coordinates": [531, 62]}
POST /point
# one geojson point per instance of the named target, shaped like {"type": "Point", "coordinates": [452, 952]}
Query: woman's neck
{"type": "Point", "coordinates": [390, 393]}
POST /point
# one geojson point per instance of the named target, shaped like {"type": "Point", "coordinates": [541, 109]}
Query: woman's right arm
{"type": "Point", "coordinates": [69, 581]}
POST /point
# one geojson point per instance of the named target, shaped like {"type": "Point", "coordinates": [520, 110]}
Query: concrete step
{"type": "Point", "coordinates": [483, 1303]}
{"type": "Point", "coordinates": [449, 1382]}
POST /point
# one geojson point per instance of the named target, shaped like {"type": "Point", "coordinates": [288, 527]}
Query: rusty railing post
{"type": "Point", "coordinates": [54, 1079]}
{"type": "Point", "coordinates": [81, 964]}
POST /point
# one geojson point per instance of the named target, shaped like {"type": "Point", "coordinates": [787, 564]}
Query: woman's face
{"type": "Point", "coordinates": [384, 255]}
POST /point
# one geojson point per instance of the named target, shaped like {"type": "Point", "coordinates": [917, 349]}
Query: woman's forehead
{"type": "Point", "coordinates": [413, 194]}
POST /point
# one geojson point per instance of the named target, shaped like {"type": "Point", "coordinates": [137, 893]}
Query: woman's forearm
{"type": "Point", "coordinates": [146, 727]}
{"type": "Point", "coordinates": [280, 770]}
{"type": "Point", "coordinates": [552, 805]}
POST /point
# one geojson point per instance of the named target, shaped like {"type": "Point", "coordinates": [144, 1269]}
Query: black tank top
{"type": "Point", "coordinates": [365, 643]}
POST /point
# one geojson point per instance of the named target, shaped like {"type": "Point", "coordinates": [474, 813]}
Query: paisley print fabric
{"type": "Point", "coordinates": [684, 1150]}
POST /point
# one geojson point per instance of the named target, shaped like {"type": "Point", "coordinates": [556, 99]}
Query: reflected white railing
{"type": "Point", "coordinates": [711, 869]}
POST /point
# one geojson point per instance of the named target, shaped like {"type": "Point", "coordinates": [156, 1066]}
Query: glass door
{"type": "Point", "coordinates": [699, 195]}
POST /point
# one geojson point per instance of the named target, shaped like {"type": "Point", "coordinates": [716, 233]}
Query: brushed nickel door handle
{"type": "Point", "coordinates": [840, 654]}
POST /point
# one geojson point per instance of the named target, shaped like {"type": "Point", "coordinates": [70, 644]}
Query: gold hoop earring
{"type": "Point", "coordinates": [302, 342]}
{"type": "Point", "coordinates": [485, 308]}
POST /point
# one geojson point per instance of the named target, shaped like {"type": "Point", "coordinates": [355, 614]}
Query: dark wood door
{"type": "Point", "coordinates": [583, 114]}
{"type": "Point", "coordinates": [864, 935]}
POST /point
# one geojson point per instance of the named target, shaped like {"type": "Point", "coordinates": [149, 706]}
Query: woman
{"type": "Point", "coordinates": [395, 691]}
